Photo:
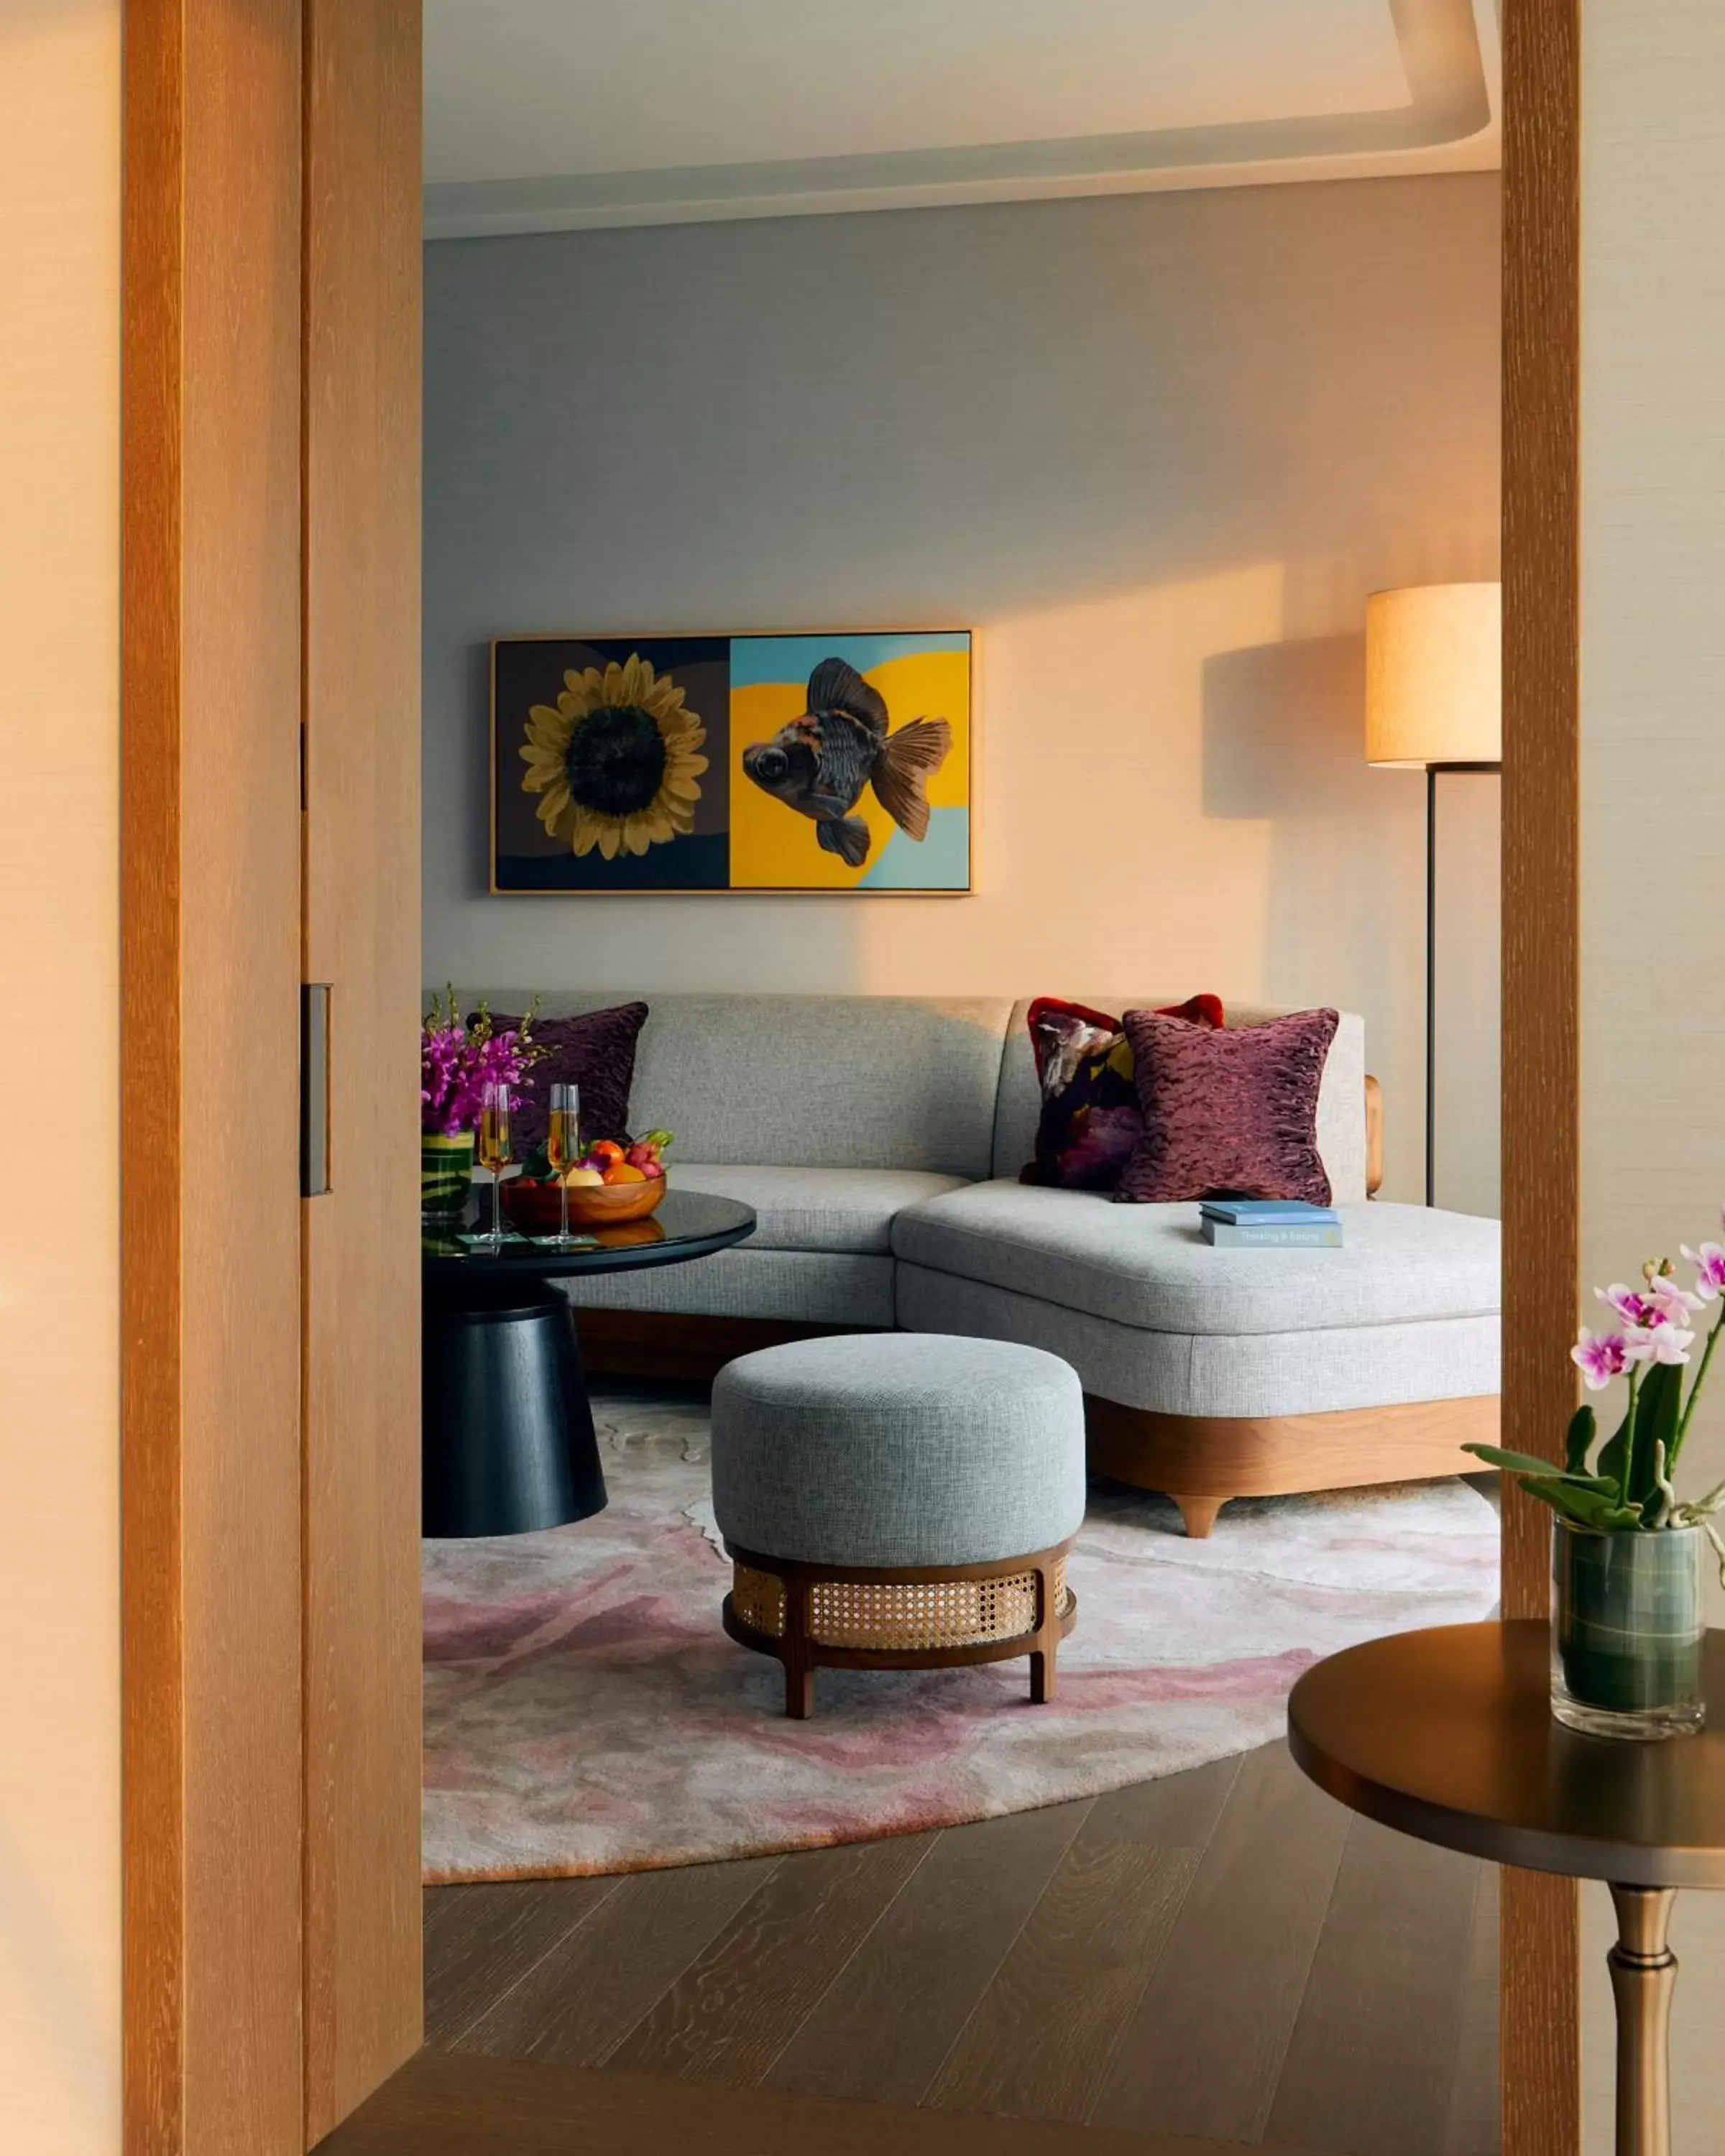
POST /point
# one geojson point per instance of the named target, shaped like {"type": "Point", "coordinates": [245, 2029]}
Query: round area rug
{"type": "Point", "coordinates": [585, 1712]}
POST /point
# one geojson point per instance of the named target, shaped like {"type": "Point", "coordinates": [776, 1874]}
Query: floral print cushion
{"type": "Point", "coordinates": [1091, 1121]}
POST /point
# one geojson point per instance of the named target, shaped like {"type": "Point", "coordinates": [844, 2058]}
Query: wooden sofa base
{"type": "Point", "coordinates": [1199, 1460]}
{"type": "Point", "coordinates": [1203, 1460]}
{"type": "Point", "coordinates": [661, 1343]}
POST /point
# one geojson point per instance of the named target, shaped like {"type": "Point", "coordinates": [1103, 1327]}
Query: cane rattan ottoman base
{"type": "Point", "coordinates": [856, 1617]}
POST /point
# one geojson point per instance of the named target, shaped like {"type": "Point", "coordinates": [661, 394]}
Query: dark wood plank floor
{"type": "Point", "coordinates": [1224, 1955]}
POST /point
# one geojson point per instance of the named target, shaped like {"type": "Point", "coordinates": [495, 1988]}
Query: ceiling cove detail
{"type": "Point", "coordinates": [1448, 53]}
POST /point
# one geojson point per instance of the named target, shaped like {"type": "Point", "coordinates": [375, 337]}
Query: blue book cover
{"type": "Point", "coordinates": [1237, 1212]}
{"type": "Point", "coordinates": [1274, 1235]}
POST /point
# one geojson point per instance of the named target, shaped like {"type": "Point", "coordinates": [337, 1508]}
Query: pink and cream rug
{"type": "Point", "coordinates": [585, 1713]}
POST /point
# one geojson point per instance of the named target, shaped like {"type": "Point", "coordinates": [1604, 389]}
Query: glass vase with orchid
{"type": "Point", "coordinates": [459, 1059]}
{"type": "Point", "coordinates": [1627, 1619]}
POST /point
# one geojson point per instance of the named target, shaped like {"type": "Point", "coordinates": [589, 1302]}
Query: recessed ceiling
{"type": "Point", "coordinates": [545, 114]}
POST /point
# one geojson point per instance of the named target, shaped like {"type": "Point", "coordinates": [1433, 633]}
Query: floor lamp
{"type": "Point", "coordinates": [1434, 703]}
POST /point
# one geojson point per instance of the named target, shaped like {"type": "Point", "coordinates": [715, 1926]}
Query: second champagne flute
{"type": "Point", "coordinates": [495, 1151]}
{"type": "Point", "coordinates": [564, 1149]}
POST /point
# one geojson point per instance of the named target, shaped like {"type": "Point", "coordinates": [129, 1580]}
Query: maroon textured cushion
{"type": "Point", "coordinates": [1090, 1125]}
{"type": "Point", "coordinates": [595, 1051]}
{"type": "Point", "coordinates": [1233, 1111]}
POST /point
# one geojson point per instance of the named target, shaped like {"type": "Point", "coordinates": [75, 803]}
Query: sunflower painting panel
{"type": "Point", "coordinates": [611, 764]}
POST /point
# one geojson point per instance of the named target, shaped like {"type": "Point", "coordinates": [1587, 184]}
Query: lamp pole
{"type": "Point", "coordinates": [1431, 796]}
{"type": "Point", "coordinates": [1434, 702]}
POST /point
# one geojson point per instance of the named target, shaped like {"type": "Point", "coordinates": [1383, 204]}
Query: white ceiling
{"type": "Point", "coordinates": [548, 114]}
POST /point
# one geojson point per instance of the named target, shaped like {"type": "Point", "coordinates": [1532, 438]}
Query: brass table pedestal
{"type": "Point", "coordinates": [1447, 1735]}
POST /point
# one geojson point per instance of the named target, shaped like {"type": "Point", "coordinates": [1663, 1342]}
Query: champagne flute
{"type": "Point", "coordinates": [495, 1151]}
{"type": "Point", "coordinates": [564, 1149]}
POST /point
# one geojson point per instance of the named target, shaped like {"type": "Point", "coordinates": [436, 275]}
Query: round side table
{"type": "Point", "coordinates": [507, 1431]}
{"type": "Point", "coordinates": [1447, 1735]}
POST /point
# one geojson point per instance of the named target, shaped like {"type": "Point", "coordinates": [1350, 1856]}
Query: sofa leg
{"type": "Point", "coordinates": [1200, 1514]}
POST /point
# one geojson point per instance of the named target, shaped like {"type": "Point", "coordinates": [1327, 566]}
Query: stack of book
{"type": "Point", "coordinates": [1269, 1223]}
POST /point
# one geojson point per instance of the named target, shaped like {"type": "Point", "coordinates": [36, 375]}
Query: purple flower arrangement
{"type": "Point", "coordinates": [1627, 1483]}
{"type": "Point", "coordinates": [457, 1059]}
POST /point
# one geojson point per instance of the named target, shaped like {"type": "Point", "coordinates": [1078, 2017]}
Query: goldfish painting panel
{"type": "Point", "coordinates": [850, 762]}
{"type": "Point", "coordinates": [823, 762]}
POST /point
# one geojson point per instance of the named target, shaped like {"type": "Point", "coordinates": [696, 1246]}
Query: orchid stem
{"type": "Point", "coordinates": [1700, 1378]}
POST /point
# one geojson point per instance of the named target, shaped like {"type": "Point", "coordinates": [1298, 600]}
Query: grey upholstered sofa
{"type": "Point", "coordinates": [880, 1139]}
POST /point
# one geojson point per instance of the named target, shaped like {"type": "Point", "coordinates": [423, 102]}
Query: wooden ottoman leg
{"type": "Point", "coordinates": [1048, 1639]}
{"type": "Point", "coordinates": [798, 1665]}
{"type": "Point", "coordinates": [1200, 1514]}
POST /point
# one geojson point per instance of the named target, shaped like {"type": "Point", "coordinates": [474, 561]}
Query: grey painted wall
{"type": "Point", "coordinates": [1155, 448]}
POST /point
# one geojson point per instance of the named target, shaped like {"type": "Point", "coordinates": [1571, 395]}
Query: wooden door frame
{"type": "Point", "coordinates": [212, 541]}
{"type": "Point", "coordinates": [1539, 1998]}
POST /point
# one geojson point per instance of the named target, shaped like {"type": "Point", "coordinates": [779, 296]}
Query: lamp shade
{"type": "Point", "coordinates": [1434, 675]}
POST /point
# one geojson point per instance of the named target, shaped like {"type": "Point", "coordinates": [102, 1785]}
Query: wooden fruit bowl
{"type": "Point", "coordinates": [532, 1207]}
{"type": "Point", "coordinates": [613, 1204]}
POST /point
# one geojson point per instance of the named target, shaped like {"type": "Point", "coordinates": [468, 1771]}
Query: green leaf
{"type": "Point", "coordinates": [1584, 1428]}
{"type": "Point", "coordinates": [1523, 1464]}
{"type": "Point", "coordinates": [1595, 1508]}
{"type": "Point", "coordinates": [1613, 1461]}
{"type": "Point", "coordinates": [1518, 1463]}
{"type": "Point", "coordinates": [1656, 1411]}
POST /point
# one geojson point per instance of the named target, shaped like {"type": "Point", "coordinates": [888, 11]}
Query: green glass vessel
{"type": "Point", "coordinates": [445, 1175]}
{"type": "Point", "coordinates": [1627, 1628]}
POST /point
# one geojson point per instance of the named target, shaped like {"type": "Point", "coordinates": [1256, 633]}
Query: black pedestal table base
{"type": "Point", "coordinates": [508, 1444]}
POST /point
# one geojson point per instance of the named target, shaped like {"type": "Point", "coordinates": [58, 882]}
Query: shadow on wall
{"type": "Point", "coordinates": [1283, 744]}
{"type": "Point", "coordinates": [1343, 877]}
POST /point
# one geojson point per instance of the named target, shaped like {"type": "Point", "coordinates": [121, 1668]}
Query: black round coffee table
{"type": "Point", "coordinates": [507, 1428]}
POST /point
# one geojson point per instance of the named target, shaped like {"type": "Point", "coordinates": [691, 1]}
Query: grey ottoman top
{"type": "Point", "coordinates": [898, 1449]}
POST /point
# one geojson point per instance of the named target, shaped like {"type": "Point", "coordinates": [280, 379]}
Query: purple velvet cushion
{"type": "Point", "coordinates": [1234, 1111]}
{"type": "Point", "coordinates": [595, 1051]}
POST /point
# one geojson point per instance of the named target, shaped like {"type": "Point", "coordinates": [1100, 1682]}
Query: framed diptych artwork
{"type": "Point", "coordinates": [800, 762]}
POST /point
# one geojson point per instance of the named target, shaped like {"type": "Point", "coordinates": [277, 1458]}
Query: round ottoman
{"type": "Point", "coordinates": [898, 1500]}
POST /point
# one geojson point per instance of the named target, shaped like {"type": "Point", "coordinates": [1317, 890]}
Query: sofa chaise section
{"type": "Point", "coordinates": [1216, 1374]}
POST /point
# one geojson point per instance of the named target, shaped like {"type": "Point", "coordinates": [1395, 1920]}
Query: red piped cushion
{"type": "Point", "coordinates": [1233, 1112]}
{"type": "Point", "coordinates": [1090, 1122]}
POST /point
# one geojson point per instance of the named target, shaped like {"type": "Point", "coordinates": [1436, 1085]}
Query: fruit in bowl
{"type": "Point", "coordinates": [609, 1185]}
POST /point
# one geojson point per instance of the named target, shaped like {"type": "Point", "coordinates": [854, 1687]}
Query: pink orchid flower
{"type": "Point", "coordinates": [1674, 1304]}
{"type": "Point", "coordinates": [1660, 1302]}
{"type": "Point", "coordinates": [1600, 1357]}
{"type": "Point", "coordinates": [1709, 1263]}
{"type": "Point", "coordinates": [1659, 1342]}
{"type": "Point", "coordinates": [1632, 1306]}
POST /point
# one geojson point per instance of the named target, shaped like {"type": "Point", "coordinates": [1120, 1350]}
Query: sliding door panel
{"type": "Point", "coordinates": [208, 1107]}
{"type": "Point", "coordinates": [362, 830]}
